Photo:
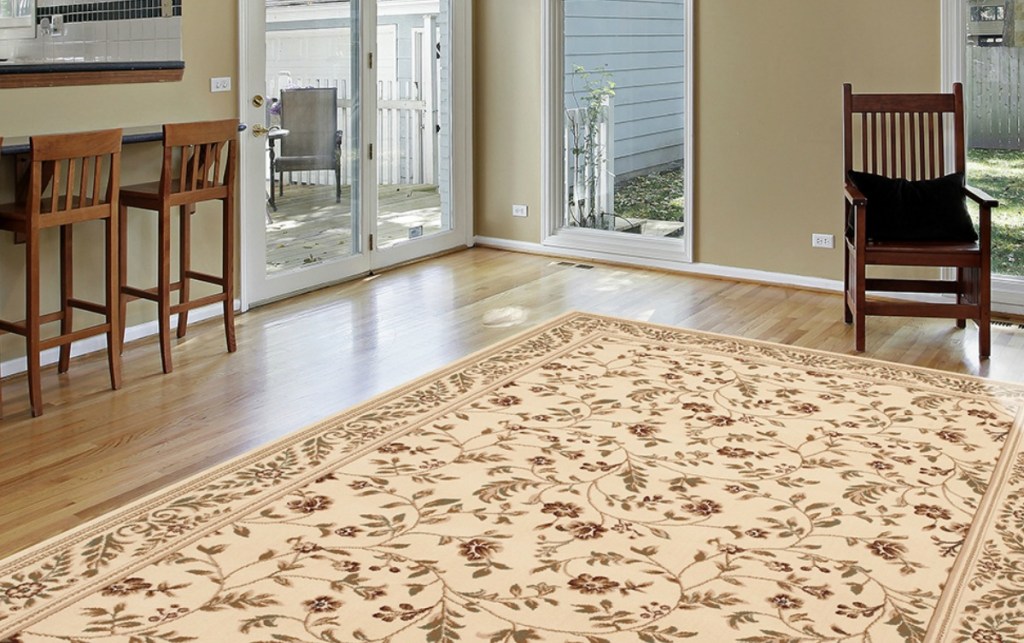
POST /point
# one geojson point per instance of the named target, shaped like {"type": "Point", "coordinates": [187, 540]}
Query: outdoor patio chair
{"type": "Point", "coordinates": [903, 210]}
{"type": "Point", "coordinates": [314, 141]}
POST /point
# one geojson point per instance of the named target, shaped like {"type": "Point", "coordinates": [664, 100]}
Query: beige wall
{"type": "Point", "coordinates": [767, 123]}
{"type": "Point", "coordinates": [506, 114]}
{"type": "Point", "coordinates": [209, 40]}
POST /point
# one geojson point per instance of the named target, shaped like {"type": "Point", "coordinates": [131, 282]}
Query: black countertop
{"type": "Point", "coordinates": [144, 134]}
{"type": "Point", "coordinates": [7, 67]}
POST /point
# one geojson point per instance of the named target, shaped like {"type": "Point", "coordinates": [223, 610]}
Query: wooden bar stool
{"type": "Point", "coordinates": [72, 178]}
{"type": "Point", "coordinates": [199, 164]}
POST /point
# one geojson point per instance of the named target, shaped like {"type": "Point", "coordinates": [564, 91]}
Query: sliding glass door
{"type": "Point", "coordinates": [349, 145]}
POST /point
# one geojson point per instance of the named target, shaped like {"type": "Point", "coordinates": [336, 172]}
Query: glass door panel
{"type": "Point", "coordinates": [313, 135]}
{"type": "Point", "coordinates": [413, 125]}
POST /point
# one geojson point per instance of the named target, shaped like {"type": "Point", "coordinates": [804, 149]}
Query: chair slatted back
{"type": "Point", "coordinates": [70, 172]}
{"type": "Point", "coordinates": [311, 117]}
{"type": "Point", "coordinates": [200, 159]}
{"type": "Point", "coordinates": [903, 135]}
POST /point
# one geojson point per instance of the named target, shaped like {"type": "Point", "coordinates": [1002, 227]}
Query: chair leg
{"type": "Point", "coordinates": [163, 286]}
{"type": "Point", "coordinates": [66, 289]}
{"type": "Point", "coordinates": [280, 184]}
{"type": "Point", "coordinates": [847, 313]}
{"type": "Point", "coordinates": [860, 302]}
{"type": "Point", "coordinates": [35, 388]}
{"type": "Point", "coordinates": [184, 262]}
{"type": "Point", "coordinates": [228, 270]}
{"type": "Point", "coordinates": [961, 293]}
{"type": "Point", "coordinates": [984, 336]}
{"type": "Point", "coordinates": [985, 310]}
{"type": "Point", "coordinates": [858, 278]}
{"type": "Point", "coordinates": [859, 330]}
{"type": "Point", "coordinates": [273, 188]}
{"type": "Point", "coordinates": [122, 269]}
{"type": "Point", "coordinates": [113, 303]}
{"type": "Point", "coordinates": [337, 183]}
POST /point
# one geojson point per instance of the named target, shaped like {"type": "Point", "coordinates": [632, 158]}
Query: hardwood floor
{"type": "Point", "coordinates": [305, 358]}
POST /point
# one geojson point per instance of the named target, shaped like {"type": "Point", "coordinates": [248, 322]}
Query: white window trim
{"type": "Point", "coordinates": [1007, 292]}
{"type": "Point", "coordinates": [596, 243]}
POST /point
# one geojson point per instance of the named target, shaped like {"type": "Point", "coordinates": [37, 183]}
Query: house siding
{"type": "Point", "coordinates": [641, 43]}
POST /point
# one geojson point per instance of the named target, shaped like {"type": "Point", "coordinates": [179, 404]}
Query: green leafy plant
{"type": "Point", "coordinates": [592, 91]}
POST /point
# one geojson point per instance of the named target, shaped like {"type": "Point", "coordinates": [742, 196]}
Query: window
{"type": "Point", "coordinates": [618, 78]}
{"type": "Point", "coordinates": [989, 13]}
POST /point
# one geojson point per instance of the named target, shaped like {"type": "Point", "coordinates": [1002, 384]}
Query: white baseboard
{"type": "Point", "coordinates": [99, 342]}
{"type": "Point", "coordinates": [703, 269]}
{"type": "Point", "coordinates": [1007, 294]}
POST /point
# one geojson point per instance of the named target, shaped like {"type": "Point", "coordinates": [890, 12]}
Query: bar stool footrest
{"type": "Point", "coordinates": [74, 336]}
{"type": "Point", "coordinates": [208, 278]}
{"type": "Point", "coordinates": [89, 306]}
{"type": "Point", "coordinates": [16, 328]}
{"type": "Point", "coordinates": [197, 303]}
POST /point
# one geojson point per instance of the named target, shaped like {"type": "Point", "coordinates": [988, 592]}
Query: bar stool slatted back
{"type": "Point", "coordinates": [199, 164]}
{"type": "Point", "coordinates": [71, 178]}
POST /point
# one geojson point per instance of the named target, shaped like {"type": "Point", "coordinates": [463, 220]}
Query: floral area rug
{"type": "Point", "coordinates": [594, 480]}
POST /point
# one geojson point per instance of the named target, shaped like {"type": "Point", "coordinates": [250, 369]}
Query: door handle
{"type": "Point", "coordinates": [259, 130]}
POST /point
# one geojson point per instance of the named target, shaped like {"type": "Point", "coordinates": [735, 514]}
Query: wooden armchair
{"type": "Point", "coordinates": [902, 209]}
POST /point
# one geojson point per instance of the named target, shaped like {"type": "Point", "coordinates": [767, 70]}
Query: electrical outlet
{"type": "Point", "coordinates": [520, 210]}
{"type": "Point", "coordinates": [823, 241]}
{"type": "Point", "coordinates": [220, 84]}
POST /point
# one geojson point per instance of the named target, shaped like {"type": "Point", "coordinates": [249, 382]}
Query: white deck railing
{"type": "Point", "coordinates": [407, 138]}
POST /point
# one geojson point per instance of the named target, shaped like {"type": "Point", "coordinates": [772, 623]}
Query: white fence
{"type": "Point", "coordinates": [589, 189]}
{"type": "Point", "coordinates": [995, 96]}
{"type": "Point", "coordinates": [407, 136]}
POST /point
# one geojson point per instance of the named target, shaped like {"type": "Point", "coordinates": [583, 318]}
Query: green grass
{"type": "Point", "coordinates": [1001, 174]}
{"type": "Point", "coordinates": [651, 196]}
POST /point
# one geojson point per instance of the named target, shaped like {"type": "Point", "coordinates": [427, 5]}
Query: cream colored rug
{"type": "Point", "coordinates": [592, 480]}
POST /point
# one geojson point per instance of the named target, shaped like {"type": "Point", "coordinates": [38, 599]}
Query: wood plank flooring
{"type": "Point", "coordinates": [305, 358]}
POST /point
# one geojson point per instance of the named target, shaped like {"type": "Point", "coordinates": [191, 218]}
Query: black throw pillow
{"type": "Point", "coordinates": [901, 210]}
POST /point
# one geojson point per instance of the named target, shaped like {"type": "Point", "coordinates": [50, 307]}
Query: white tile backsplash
{"type": "Point", "coordinates": [111, 31]}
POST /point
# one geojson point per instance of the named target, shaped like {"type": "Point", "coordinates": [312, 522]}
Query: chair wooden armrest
{"type": "Point", "coordinates": [980, 196]}
{"type": "Point", "coordinates": [854, 196]}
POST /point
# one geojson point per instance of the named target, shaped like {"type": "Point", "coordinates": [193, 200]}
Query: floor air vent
{"type": "Point", "coordinates": [1005, 324]}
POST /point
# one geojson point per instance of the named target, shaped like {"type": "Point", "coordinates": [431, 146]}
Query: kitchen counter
{"type": "Point", "coordinates": [23, 66]}
{"type": "Point", "coordinates": [21, 72]}
{"type": "Point", "coordinates": [143, 134]}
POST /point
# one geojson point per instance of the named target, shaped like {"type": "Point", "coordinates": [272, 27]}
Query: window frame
{"type": "Point", "coordinates": [601, 244]}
